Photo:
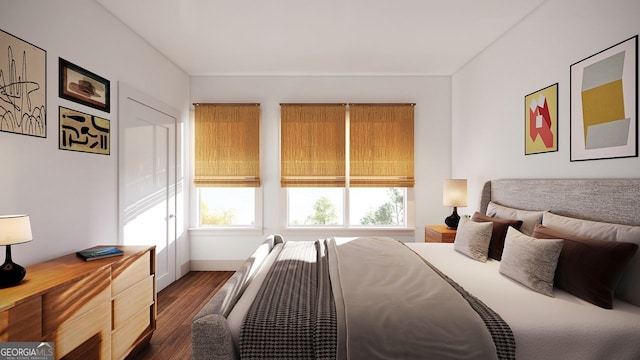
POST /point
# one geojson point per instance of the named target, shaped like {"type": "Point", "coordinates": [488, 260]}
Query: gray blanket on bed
{"type": "Point", "coordinates": [381, 302]}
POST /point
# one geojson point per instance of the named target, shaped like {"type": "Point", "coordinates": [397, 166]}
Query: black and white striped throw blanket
{"type": "Point", "coordinates": [294, 317]}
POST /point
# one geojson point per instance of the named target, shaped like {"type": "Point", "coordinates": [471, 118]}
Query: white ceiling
{"type": "Point", "coordinates": [320, 37]}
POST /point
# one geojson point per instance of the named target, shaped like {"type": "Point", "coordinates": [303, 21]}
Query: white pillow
{"type": "Point", "coordinates": [530, 261]}
{"type": "Point", "coordinates": [472, 238]}
{"type": "Point", "coordinates": [529, 218]}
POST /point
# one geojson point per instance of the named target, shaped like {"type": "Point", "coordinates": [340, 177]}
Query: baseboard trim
{"type": "Point", "coordinates": [215, 265]}
{"type": "Point", "coordinates": [184, 269]}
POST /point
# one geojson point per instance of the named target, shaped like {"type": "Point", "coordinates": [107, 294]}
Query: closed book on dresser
{"type": "Point", "coordinates": [100, 309]}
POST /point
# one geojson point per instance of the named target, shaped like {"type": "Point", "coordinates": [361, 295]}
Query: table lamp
{"type": "Point", "coordinates": [14, 229]}
{"type": "Point", "coordinates": [454, 193]}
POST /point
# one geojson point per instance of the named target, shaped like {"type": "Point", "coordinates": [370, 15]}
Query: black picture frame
{"type": "Point", "coordinates": [541, 121]}
{"type": "Point", "coordinates": [605, 80]}
{"type": "Point", "coordinates": [79, 131]}
{"type": "Point", "coordinates": [83, 86]}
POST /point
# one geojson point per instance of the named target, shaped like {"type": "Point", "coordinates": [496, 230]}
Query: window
{"type": "Point", "coordinates": [312, 145]}
{"type": "Point", "coordinates": [378, 206]}
{"type": "Point", "coordinates": [381, 145]}
{"type": "Point", "coordinates": [368, 207]}
{"type": "Point", "coordinates": [227, 164]}
{"type": "Point", "coordinates": [315, 206]}
{"type": "Point", "coordinates": [347, 166]}
{"type": "Point", "coordinates": [222, 206]}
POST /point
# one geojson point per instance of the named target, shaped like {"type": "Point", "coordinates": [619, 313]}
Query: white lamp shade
{"type": "Point", "coordinates": [454, 192]}
{"type": "Point", "coordinates": [15, 229]}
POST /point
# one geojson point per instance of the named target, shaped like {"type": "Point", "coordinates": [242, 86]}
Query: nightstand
{"type": "Point", "coordinates": [439, 233]}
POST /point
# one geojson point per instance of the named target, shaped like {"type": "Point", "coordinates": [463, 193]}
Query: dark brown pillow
{"type": "Point", "coordinates": [589, 268]}
{"type": "Point", "coordinates": [499, 232]}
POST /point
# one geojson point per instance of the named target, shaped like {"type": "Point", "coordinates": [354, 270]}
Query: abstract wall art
{"type": "Point", "coordinates": [541, 121]}
{"type": "Point", "coordinates": [83, 86]}
{"type": "Point", "coordinates": [604, 103]}
{"type": "Point", "coordinates": [83, 132]}
{"type": "Point", "coordinates": [23, 87]}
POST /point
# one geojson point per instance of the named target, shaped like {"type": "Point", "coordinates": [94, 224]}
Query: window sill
{"type": "Point", "coordinates": [340, 231]}
{"type": "Point", "coordinates": [231, 230]}
{"type": "Point", "coordinates": [305, 231]}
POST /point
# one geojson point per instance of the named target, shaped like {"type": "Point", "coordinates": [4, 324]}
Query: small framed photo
{"type": "Point", "coordinates": [604, 104]}
{"type": "Point", "coordinates": [83, 132]}
{"type": "Point", "coordinates": [83, 86]}
{"type": "Point", "coordinates": [541, 121]}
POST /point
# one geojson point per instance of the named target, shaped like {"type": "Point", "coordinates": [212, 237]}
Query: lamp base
{"type": "Point", "coordinates": [453, 220]}
{"type": "Point", "coordinates": [11, 273]}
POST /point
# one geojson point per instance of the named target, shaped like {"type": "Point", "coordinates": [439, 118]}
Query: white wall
{"type": "Point", "coordinates": [71, 197]}
{"type": "Point", "coordinates": [432, 141]}
{"type": "Point", "coordinates": [488, 93]}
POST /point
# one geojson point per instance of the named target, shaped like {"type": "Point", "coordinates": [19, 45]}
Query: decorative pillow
{"type": "Point", "coordinates": [628, 288]}
{"type": "Point", "coordinates": [529, 218]}
{"type": "Point", "coordinates": [472, 239]}
{"type": "Point", "coordinates": [589, 268]}
{"type": "Point", "coordinates": [530, 261]}
{"type": "Point", "coordinates": [580, 227]}
{"type": "Point", "coordinates": [499, 232]}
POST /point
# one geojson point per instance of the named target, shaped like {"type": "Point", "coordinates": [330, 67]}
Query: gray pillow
{"type": "Point", "coordinates": [472, 238]}
{"type": "Point", "coordinates": [530, 261]}
{"type": "Point", "coordinates": [585, 228]}
{"type": "Point", "coordinates": [529, 218]}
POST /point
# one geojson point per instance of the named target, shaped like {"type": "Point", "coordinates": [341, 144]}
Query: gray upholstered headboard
{"type": "Point", "coordinates": [607, 200]}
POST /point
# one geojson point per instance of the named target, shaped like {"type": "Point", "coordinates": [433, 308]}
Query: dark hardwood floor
{"type": "Point", "coordinates": [178, 303]}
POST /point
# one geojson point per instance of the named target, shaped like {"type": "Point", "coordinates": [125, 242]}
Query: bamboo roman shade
{"type": "Point", "coordinates": [227, 145]}
{"type": "Point", "coordinates": [381, 145]}
{"type": "Point", "coordinates": [312, 148]}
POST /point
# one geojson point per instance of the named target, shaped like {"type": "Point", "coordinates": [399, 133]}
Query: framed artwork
{"type": "Point", "coordinates": [83, 86]}
{"type": "Point", "coordinates": [541, 121]}
{"type": "Point", "coordinates": [83, 132]}
{"type": "Point", "coordinates": [23, 91]}
{"type": "Point", "coordinates": [604, 104]}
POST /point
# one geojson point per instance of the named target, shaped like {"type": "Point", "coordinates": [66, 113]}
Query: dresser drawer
{"type": "Point", "coordinates": [127, 274]}
{"type": "Point", "coordinates": [74, 299]}
{"type": "Point", "coordinates": [131, 301]}
{"type": "Point", "coordinates": [123, 338]}
{"type": "Point", "coordinates": [74, 332]}
{"type": "Point", "coordinates": [4, 326]}
{"type": "Point", "coordinates": [24, 320]}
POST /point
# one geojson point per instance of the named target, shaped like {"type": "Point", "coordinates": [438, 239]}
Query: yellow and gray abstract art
{"type": "Point", "coordinates": [604, 121]}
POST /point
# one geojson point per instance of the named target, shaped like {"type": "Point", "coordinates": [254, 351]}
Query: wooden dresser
{"type": "Point", "coordinates": [100, 309]}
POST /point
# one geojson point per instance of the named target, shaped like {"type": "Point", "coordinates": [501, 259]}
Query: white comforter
{"type": "Point", "coordinates": [563, 327]}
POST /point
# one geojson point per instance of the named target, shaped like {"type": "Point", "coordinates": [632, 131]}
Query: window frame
{"type": "Point", "coordinates": [195, 228]}
{"type": "Point", "coordinates": [348, 229]}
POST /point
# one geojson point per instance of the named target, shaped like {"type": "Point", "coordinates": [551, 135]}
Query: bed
{"type": "Point", "coordinates": [600, 218]}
